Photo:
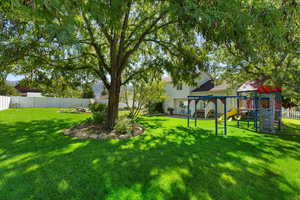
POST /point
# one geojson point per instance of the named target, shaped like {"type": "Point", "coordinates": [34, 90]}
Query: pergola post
{"type": "Point", "coordinates": [256, 112]}
{"type": "Point", "coordinates": [195, 113]}
{"type": "Point", "coordinates": [188, 119]}
{"type": "Point", "coordinates": [225, 117]}
{"type": "Point", "coordinates": [238, 109]}
{"type": "Point", "coordinates": [216, 115]}
{"type": "Point", "coordinates": [280, 112]}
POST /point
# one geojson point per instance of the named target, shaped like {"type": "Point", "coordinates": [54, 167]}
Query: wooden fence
{"type": "Point", "coordinates": [290, 114]}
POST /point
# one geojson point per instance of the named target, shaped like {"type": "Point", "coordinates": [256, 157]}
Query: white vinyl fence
{"type": "Point", "coordinates": [290, 114]}
{"type": "Point", "coordinates": [4, 102]}
{"type": "Point", "coordinates": [48, 102]}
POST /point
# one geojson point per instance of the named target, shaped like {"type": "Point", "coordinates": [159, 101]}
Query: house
{"type": "Point", "coordinates": [98, 89]}
{"type": "Point", "coordinates": [177, 95]}
{"type": "Point", "coordinates": [28, 92]}
{"type": "Point", "coordinates": [102, 97]}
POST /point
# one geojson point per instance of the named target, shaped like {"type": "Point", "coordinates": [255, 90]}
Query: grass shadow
{"type": "Point", "coordinates": [169, 161]}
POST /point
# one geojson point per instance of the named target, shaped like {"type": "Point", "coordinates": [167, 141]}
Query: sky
{"type": "Point", "coordinates": [12, 77]}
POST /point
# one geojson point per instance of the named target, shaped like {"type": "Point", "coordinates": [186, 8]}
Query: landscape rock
{"type": "Point", "coordinates": [88, 130]}
{"type": "Point", "coordinates": [94, 136]}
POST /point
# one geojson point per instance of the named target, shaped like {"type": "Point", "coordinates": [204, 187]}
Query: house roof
{"type": "Point", "coordinates": [24, 89]}
{"type": "Point", "coordinates": [250, 86]}
{"type": "Point", "coordinates": [209, 86]}
{"type": "Point", "coordinates": [204, 87]}
{"type": "Point", "coordinates": [222, 87]}
{"type": "Point", "coordinates": [258, 85]}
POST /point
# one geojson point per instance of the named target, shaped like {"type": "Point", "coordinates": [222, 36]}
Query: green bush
{"type": "Point", "coordinates": [124, 125]}
{"type": "Point", "coordinates": [99, 111]}
{"type": "Point", "coordinates": [171, 110]}
{"type": "Point", "coordinates": [7, 90]}
{"type": "Point", "coordinates": [99, 117]}
{"type": "Point", "coordinates": [98, 107]}
{"type": "Point", "coordinates": [156, 107]}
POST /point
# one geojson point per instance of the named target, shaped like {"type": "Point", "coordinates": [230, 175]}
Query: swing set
{"type": "Point", "coordinates": [255, 102]}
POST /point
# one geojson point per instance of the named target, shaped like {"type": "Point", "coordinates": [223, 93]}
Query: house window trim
{"type": "Point", "coordinates": [179, 87]}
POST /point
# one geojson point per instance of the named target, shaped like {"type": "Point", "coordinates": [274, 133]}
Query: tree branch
{"type": "Point", "coordinates": [95, 45]}
{"type": "Point", "coordinates": [141, 39]}
{"type": "Point", "coordinates": [132, 75]}
{"type": "Point", "coordinates": [143, 21]}
{"type": "Point", "coordinates": [165, 46]}
{"type": "Point", "coordinates": [124, 28]}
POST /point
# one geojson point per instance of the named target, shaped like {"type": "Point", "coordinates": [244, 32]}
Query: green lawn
{"type": "Point", "coordinates": [169, 161]}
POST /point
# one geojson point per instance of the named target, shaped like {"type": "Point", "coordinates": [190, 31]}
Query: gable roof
{"type": "Point", "coordinates": [23, 89]}
{"type": "Point", "coordinates": [222, 87]}
{"type": "Point", "coordinates": [208, 85]}
{"type": "Point", "coordinates": [259, 86]}
{"type": "Point", "coordinates": [250, 86]}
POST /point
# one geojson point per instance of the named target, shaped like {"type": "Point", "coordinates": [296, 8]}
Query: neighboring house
{"type": "Point", "coordinates": [177, 95]}
{"type": "Point", "coordinates": [98, 88]}
{"type": "Point", "coordinates": [28, 92]}
{"type": "Point", "coordinates": [24, 91]}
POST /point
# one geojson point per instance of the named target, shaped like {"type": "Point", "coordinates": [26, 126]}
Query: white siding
{"type": "Point", "coordinates": [34, 94]}
{"type": "Point", "coordinates": [174, 95]}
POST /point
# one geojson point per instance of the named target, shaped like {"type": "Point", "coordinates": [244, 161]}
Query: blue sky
{"type": "Point", "coordinates": [12, 77]}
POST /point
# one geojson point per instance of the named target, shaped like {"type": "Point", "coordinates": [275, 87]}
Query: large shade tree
{"type": "Point", "coordinates": [271, 52]}
{"type": "Point", "coordinates": [111, 37]}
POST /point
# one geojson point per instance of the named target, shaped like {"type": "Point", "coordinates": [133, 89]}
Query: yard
{"type": "Point", "coordinates": [169, 161]}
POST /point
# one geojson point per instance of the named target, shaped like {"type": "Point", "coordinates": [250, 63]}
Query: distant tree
{"type": "Point", "coordinates": [104, 92]}
{"type": "Point", "coordinates": [289, 103]}
{"type": "Point", "coordinates": [7, 90]}
{"type": "Point", "coordinates": [87, 92]}
{"type": "Point", "coordinates": [140, 93]}
{"type": "Point", "coordinates": [58, 87]}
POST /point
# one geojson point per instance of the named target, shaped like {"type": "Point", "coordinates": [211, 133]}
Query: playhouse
{"type": "Point", "coordinates": [258, 105]}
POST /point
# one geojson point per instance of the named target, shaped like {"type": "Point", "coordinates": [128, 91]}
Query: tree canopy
{"type": "Point", "coordinates": [111, 38]}
{"type": "Point", "coordinates": [269, 50]}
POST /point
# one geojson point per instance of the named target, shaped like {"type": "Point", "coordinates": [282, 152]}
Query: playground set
{"type": "Point", "coordinates": [256, 103]}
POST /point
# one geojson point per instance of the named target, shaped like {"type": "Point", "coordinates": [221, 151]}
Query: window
{"type": "Point", "coordinates": [179, 86]}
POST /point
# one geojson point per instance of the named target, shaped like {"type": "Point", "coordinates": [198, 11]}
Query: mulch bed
{"type": "Point", "coordinates": [91, 130]}
{"type": "Point", "coordinates": [76, 110]}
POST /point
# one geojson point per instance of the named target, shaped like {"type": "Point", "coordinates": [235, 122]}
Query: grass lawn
{"type": "Point", "coordinates": [169, 161]}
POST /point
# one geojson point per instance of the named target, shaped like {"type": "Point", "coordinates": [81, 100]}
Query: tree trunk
{"type": "Point", "coordinates": [113, 101]}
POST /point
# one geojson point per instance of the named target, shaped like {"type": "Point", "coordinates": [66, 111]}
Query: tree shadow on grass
{"type": "Point", "coordinates": [289, 132]}
{"type": "Point", "coordinates": [175, 162]}
{"type": "Point", "coordinates": [153, 122]}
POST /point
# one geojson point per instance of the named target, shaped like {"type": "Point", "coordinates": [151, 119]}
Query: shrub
{"type": "Point", "coordinates": [124, 125]}
{"type": "Point", "coordinates": [99, 111]}
{"type": "Point", "coordinates": [170, 110]}
{"type": "Point", "coordinates": [7, 90]}
{"type": "Point", "coordinates": [98, 107]}
{"type": "Point", "coordinates": [99, 117]}
{"type": "Point", "coordinates": [156, 107]}
{"type": "Point", "coordinates": [88, 93]}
